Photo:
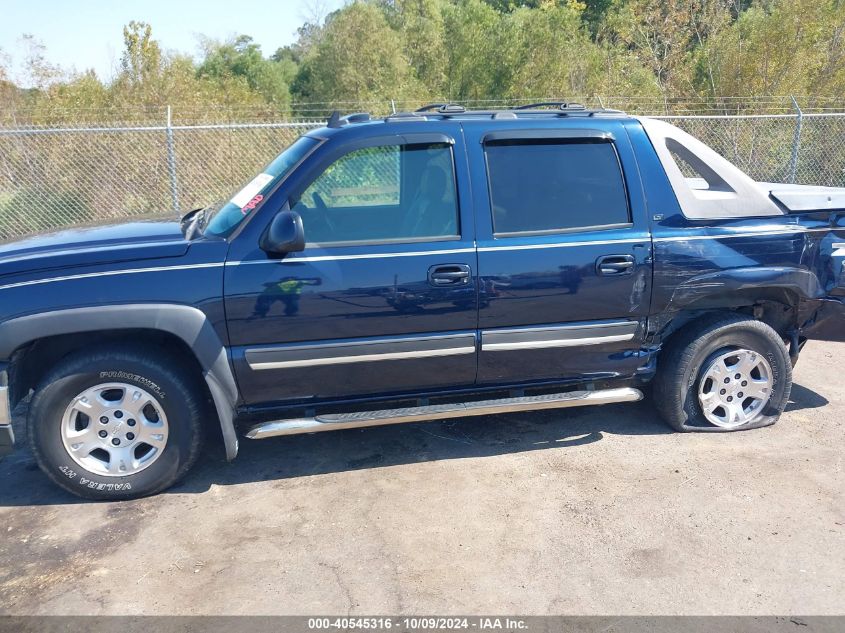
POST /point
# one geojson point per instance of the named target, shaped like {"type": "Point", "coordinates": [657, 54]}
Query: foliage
{"type": "Point", "coordinates": [17, 214]}
{"type": "Point", "coordinates": [358, 58]}
{"type": "Point", "coordinates": [241, 61]}
{"type": "Point", "coordinates": [458, 50]}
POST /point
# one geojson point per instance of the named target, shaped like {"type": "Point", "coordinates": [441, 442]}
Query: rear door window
{"type": "Point", "coordinates": [555, 185]}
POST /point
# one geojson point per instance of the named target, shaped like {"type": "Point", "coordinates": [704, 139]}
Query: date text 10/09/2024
{"type": "Point", "coordinates": [419, 623]}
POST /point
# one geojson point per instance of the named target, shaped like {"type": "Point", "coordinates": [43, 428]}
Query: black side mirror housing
{"type": "Point", "coordinates": [284, 235]}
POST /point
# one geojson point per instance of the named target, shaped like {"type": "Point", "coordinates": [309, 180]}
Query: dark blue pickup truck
{"type": "Point", "coordinates": [427, 265]}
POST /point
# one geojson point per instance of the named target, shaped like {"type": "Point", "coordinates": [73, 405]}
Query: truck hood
{"type": "Point", "coordinates": [93, 245]}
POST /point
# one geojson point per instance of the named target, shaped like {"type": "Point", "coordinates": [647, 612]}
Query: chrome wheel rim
{"type": "Point", "coordinates": [734, 388]}
{"type": "Point", "coordinates": [114, 429]}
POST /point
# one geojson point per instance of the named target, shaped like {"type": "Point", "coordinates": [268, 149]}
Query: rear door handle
{"type": "Point", "coordinates": [449, 275]}
{"type": "Point", "coordinates": [615, 265]}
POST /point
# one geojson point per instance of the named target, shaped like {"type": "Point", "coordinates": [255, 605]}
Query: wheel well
{"type": "Point", "coordinates": [31, 362]}
{"type": "Point", "coordinates": [781, 315]}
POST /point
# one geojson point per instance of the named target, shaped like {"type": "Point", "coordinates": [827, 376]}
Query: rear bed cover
{"type": "Point", "coordinates": [806, 197]}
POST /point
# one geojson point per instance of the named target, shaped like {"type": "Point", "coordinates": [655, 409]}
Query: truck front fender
{"type": "Point", "coordinates": [185, 322]}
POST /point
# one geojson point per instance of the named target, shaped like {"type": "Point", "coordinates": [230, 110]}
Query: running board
{"type": "Point", "coordinates": [337, 421]}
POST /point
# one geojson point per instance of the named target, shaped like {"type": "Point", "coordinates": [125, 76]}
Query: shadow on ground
{"type": "Point", "coordinates": [23, 484]}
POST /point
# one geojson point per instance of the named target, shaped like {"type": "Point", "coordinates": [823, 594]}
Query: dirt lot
{"type": "Point", "coordinates": [582, 511]}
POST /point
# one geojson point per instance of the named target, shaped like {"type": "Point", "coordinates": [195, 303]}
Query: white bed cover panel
{"type": "Point", "coordinates": [721, 191]}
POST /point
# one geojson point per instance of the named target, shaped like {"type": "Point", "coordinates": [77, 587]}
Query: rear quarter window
{"type": "Point", "coordinates": [555, 185]}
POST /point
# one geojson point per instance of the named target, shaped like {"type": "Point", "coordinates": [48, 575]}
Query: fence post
{"type": "Point", "coordinates": [171, 165]}
{"type": "Point", "coordinates": [796, 142]}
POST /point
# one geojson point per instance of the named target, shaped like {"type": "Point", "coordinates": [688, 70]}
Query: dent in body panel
{"type": "Point", "coordinates": [791, 265]}
{"type": "Point", "coordinates": [688, 269]}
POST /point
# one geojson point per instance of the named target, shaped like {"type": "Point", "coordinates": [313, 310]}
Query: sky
{"type": "Point", "coordinates": [83, 34]}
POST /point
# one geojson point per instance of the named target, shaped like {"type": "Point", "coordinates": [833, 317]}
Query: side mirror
{"type": "Point", "coordinates": [284, 235]}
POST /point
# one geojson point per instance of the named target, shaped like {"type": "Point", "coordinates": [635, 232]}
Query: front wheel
{"type": "Point", "coordinates": [724, 374]}
{"type": "Point", "coordinates": [116, 423]}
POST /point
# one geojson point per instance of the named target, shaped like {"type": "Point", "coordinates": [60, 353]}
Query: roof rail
{"type": "Point", "coordinates": [442, 108]}
{"type": "Point", "coordinates": [560, 105]}
{"type": "Point", "coordinates": [429, 107]}
{"type": "Point", "coordinates": [406, 116]}
{"type": "Point", "coordinates": [357, 117]}
{"type": "Point", "coordinates": [446, 110]}
{"type": "Point", "coordinates": [336, 120]}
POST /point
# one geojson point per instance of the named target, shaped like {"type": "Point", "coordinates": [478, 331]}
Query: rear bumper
{"type": "Point", "coordinates": [7, 436]}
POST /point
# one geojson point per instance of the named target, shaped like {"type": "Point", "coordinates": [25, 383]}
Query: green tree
{"type": "Point", "coordinates": [664, 35]}
{"type": "Point", "coordinates": [420, 24]}
{"type": "Point", "coordinates": [551, 54]}
{"type": "Point", "coordinates": [241, 60]}
{"type": "Point", "coordinates": [751, 56]}
{"type": "Point", "coordinates": [10, 94]}
{"type": "Point", "coordinates": [473, 31]}
{"type": "Point", "coordinates": [141, 61]}
{"type": "Point", "coordinates": [358, 58]}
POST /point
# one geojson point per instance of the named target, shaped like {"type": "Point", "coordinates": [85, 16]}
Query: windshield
{"type": "Point", "coordinates": [223, 220]}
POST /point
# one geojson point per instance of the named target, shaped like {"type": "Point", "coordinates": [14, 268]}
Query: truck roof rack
{"type": "Point", "coordinates": [442, 108]}
{"type": "Point", "coordinates": [447, 110]}
{"type": "Point", "coordinates": [560, 105]}
{"type": "Point", "coordinates": [406, 116]}
{"type": "Point", "coordinates": [336, 120]}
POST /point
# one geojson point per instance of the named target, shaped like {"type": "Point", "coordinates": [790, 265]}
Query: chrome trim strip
{"type": "Point", "coordinates": [521, 247]}
{"type": "Point", "coordinates": [563, 327]}
{"type": "Point", "coordinates": [561, 342]}
{"type": "Point", "coordinates": [361, 358]}
{"type": "Point", "coordinates": [333, 422]}
{"type": "Point", "coordinates": [570, 335]}
{"type": "Point", "coordinates": [314, 355]}
{"type": "Point", "coordinates": [329, 258]}
{"type": "Point", "coordinates": [110, 273]}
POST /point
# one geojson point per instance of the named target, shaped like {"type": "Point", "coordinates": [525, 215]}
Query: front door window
{"type": "Point", "coordinates": [389, 193]}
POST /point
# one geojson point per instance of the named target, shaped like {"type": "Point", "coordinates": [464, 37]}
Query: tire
{"type": "Point", "coordinates": [693, 364]}
{"type": "Point", "coordinates": [121, 382]}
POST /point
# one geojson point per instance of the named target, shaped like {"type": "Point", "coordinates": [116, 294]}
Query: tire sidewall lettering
{"type": "Point", "coordinates": [146, 383]}
{"type": "Point", "coordinates": [50, 401]}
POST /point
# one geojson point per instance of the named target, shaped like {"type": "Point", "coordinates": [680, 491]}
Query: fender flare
{"type": "Point", "coordinates": [185, 322]}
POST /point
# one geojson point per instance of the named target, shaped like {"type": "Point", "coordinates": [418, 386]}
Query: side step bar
{"type": "Point", "coordinates": [337, 421]}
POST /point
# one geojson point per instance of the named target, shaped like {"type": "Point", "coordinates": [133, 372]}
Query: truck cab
{"type": "Point", "coordinates": [426, 265]}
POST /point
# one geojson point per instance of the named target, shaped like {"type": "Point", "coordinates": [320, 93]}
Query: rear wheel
{"type": "Point", "coordinates": [723, 374]}
{"type": "Point", "coordinates": [116, 423]}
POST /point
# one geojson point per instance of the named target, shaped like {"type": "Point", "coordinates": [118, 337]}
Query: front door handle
{"type": "Point", "coordinates": [449, 275]}
{"type": "Point", "coordinates": [615, 265]}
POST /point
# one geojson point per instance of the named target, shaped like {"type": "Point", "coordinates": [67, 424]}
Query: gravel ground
{"type": "Point", "coordinates": [581, 511]}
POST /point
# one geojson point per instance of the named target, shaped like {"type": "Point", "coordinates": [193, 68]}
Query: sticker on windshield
{"type": "Point", "coordinates": [245, 195]}
{"type": "Point", "coordinates": [252, 204]}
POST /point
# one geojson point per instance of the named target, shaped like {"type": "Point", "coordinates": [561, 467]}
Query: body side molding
{"type": "Point", "coordinates": [185, 322]}
{"type": "Point", "coordinates": [359, 350]}
{"type": "Point", "coordinates": [569, 335]}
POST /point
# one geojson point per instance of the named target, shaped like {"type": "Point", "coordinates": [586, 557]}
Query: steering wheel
{"type": "Point", "coordinates": [320, 204]}
{"type": "Point", "coordinates": [318, 201]}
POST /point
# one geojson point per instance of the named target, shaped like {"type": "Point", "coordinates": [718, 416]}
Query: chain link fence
{"type": "Point", "coordinates": [53, 177]}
